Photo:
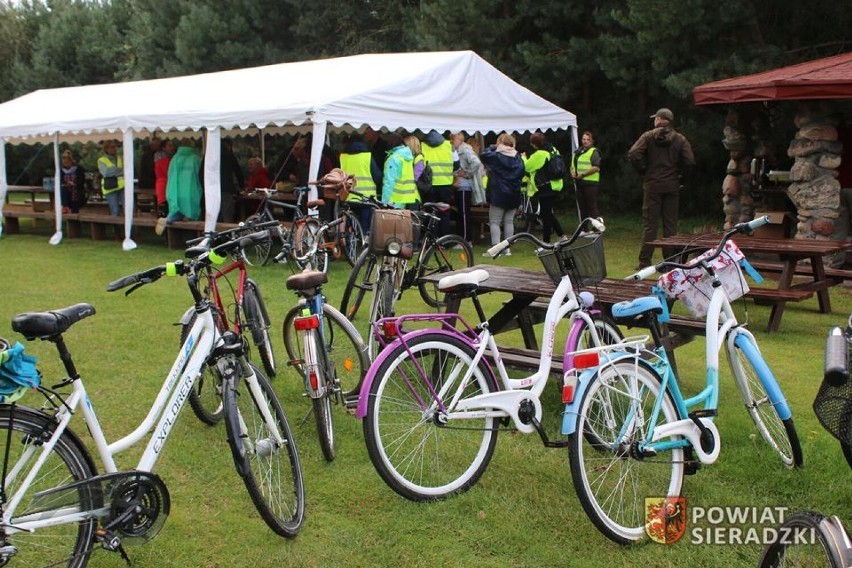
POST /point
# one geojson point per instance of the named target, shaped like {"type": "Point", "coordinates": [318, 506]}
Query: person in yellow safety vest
{"type": "Point", "coordinates": [419, 165]}
{"type": "Point", "coordinates": [548, 191]}
{"type": "Point", "coordinates": [586, 171]}
{"type": "Point", "coordinates": [111, 168]}
{"type": "Point", "coordinates": [438, 153]}
{"type": "Point", "coordinates": [398, 185]}
{"type": "Point", "coordinates": [357, 160]}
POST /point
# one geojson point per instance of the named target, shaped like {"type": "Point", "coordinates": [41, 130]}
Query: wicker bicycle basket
{"type": "Point", "coordinates": [583, 261]}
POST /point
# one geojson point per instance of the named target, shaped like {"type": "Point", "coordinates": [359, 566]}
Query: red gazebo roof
{"type": "Point", "coordinates": [828, 78]}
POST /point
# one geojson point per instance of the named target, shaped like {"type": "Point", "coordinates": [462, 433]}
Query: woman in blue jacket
{"type": "Point", "coordinates": [505, 172]}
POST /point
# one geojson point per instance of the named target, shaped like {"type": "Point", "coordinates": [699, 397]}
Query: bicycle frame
{"type": "Point", "coordinates": [504, 402]}
{"type": "Point", "coordinates": [213, 277]}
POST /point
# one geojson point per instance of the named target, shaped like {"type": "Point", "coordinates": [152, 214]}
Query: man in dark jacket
{"type": "Point", "coordinates": [664, 158]}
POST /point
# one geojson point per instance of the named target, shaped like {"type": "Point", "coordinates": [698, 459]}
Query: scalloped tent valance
{"type": "Point", "coordinates": [456, 91]}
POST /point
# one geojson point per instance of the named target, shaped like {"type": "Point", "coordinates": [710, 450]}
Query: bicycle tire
{"type": "Point", "coordinates": [272, 474]}
{"type": "Point", "coordinates": [443, 257]}
{"type": "Point", "coordinates": [352, 240]}
{"type": "Point", "coordinates": [257, 320]}
{"type": "Point", "coordinates": [205, 398]}
{"type": "Point", "coordinates": [261, 250]}
{"type": "Point", "coordinates": [380, 307]}
{"type": "Point", "coordinates": [322, 405]}
{"type": "Point", "coordinates": [361, 281]}
{"type": "Point", "coordinates": [753, 378]}
{"type": "Point", "coordinates": [417, 454]}
{"type": "Point", "coordinates": [344, 345]}
{"type": "Point", "coordinates": [20, 431]}
{"type": "Point", "coordinates": [610, 482]}
{"type": "Point", "coordinates": [808, 539]}
{"type": "Point", "coordinates": [305, 235]}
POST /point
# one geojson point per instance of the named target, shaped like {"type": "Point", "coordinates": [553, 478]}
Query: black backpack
{"type": "Point", "coordinates": [424, 182]}
{"type": "Point", "coordinates": [552, 170]}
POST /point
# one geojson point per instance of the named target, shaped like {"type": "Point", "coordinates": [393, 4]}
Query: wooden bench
{"type": "Point", "coordinates": [801, 270]}
{"type": "Point", "coordinates": [12, 213]}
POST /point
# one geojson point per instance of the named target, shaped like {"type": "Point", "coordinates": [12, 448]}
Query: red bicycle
{"type": "Point", "coordinates": [237, 306]}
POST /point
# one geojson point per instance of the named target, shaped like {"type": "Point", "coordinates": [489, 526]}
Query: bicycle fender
{"type": "Point", "coordinates": [364, 393]}
{"type": "Point", "coordinates": [572, 409]}
{"type": "Point", "coordinates": [186, 318]}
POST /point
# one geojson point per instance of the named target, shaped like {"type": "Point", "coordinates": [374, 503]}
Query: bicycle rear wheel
{"type": "Point", "coordinates": [352, 238]}
{"type": "Point", "coordinates": [611, 477]}
{"type": "Point", "coordinates": [418, 450]}
{"type": "Point", "coordinates": [257, 320]}
{"type": "Point", "coordinates": [21, 435]}
{"type": "Point", "coordinates": [264, 452]}
{"type": "Point", "coordinates": [808, 539]}
{"type": "Point", "coordinates": [304, 237]}
{"type": "Point", "coordinates": [361, 281]}
{"type": "Point", "coordinates": [347, 353]}
{"type": "Point", "coordinates": [763, 399]}
{"type": "Point", "coordinates": [450, 252]}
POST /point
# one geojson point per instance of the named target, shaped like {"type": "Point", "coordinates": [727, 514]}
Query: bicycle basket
{"type": "Point", "coordinates": [393, 225]}
{"type": "Point", "coordinates": [694, 286]}
{"type": "Point", "coordinates": [833, 407]}
{"type": "Point", "coordinates": [583, 261]}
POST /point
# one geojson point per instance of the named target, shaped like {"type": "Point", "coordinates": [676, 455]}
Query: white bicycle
{"type": "Point", "coordinates": [55, 505]}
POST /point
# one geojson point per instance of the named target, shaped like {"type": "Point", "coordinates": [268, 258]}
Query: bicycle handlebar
{"type": "Point", "coordinates": [595, 225]}
{"type": "Point", "coordinates": [670, 265]}
{"type": "Point", "coordinates": [836, 367]}
{"type": "Point", "coordinates": [213, 255]}
{"type": "Point", "coordinates": [213, 236]}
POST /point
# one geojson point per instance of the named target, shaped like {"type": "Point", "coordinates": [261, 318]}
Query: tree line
{"type": "Point", "coordinates": [611, 62]}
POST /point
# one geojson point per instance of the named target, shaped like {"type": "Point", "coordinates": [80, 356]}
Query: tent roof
{"type": "Point", "coordinates": [441, 90]}
{"type": "Point", "coordinates": [828, 78]}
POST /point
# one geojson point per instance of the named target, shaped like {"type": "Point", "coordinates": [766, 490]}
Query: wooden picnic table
{"type": "Point", "coordinates": [531, 291]}
{"type": "Point", "coordinates": [790, 252]}
{"type": "Point", "coordinates": [34, 191]}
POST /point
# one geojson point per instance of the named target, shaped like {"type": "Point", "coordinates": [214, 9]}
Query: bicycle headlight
{"type": "Point", "coordinates": [394, 248]}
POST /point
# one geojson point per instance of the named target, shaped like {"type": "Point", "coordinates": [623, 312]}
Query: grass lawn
{"type": "Point", "coordinates": [523, 512]}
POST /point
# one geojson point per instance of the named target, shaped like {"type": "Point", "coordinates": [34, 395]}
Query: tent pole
{"type": "Point", "coordinates": [212, 181]}
{"type": "Point", "coordinates": [317, 144]}
{"type": "Point", "coordinates": [57, 191]}
{"type": "Point", "coordinates": [129, 188]}
{"type": "Point", "coordinates": [4, 183]}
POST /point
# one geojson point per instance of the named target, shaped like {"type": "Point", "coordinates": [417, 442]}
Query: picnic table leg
{"type": "Point", "coordinates": [819, 276]}
{"type": "Point", "coordinates": [785, 281]}
{"type": "Point", "coordinates": [512, 309]}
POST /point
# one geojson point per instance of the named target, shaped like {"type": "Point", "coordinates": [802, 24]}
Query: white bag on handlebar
{"type": "Point", "coordinates": [694, 287]}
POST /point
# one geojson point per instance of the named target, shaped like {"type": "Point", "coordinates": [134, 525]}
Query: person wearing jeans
{"type": "Point", "coordinates": [505, 172]}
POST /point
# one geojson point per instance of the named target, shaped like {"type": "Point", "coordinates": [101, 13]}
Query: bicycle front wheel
{"type": "Point", "coordinates": [257, 320]}
{"type": "Point", "coordinates": [381, 307]}
{"type": "Point", "coordinates": [259, 252]}
{"type": "Point", "coordinates": [422, 451]}
{"type": "Point", "coordinates": [305, 235]}
{"type": "Point", "coordinates": [611, 472]}
{"type": "Point", "coordinates": [21, 436]}
{"type": "Point", "coordinates": [361, 281]}
{"type": "Point", "coordinates": [763, 398]}
{"type": "Point", "coordinates": [346, 351]}
{"type": "Point", "coordinates": [205, 398]}
{"type": "Point", "coordinates": [264, 450]}
{"type": "Point", "coordinates": [808, 539]}
{"type": "Point", "coordinates": [450, 252]}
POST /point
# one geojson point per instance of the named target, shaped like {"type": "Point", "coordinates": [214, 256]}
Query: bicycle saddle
{"type": "Point", "coordinates": [307, 280]}
{"type": "Point", "coordinates": [54, 322]}
{"type": "Point", "coordinates": [463, 281]}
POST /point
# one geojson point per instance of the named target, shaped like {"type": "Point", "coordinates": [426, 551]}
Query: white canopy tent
{"type": "Point", "coordinates": [442, 90]}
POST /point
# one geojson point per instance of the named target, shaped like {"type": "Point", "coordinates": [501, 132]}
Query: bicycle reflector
{"type": "Point", "coordinates": [586, 360]}
{"type": "Point", "coordinates": [569, 387]}
{"type": "Point", "coordinates": [306, 323]}
{"type": "Point", "coordinates": [389, 328]}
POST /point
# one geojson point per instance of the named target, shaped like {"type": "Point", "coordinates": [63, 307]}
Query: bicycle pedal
{"type": "Point", "coordinates": [691, 467]}
{"type": "Point", "coordinates": [703, 413]}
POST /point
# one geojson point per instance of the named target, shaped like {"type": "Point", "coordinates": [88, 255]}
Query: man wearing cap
{"type": "Point", "coordinates": [664, 158]}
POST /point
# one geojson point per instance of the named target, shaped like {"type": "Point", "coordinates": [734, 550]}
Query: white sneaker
{"type": "Point", "coordinates": [161, 226]}
{"type": "Point", "coordinates": [507, 252]}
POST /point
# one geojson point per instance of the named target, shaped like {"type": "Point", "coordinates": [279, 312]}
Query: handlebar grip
{"type": "Point", "coordinates": [643, 274]}
{"type": "Point", "coordinates": [836, 357]}
{"type": "Point", "coordinates": [753, 224]}
{"type": "Point", "coordinates": [497, 249]}
{"type": "Point", "coordinates": [123, 283]}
